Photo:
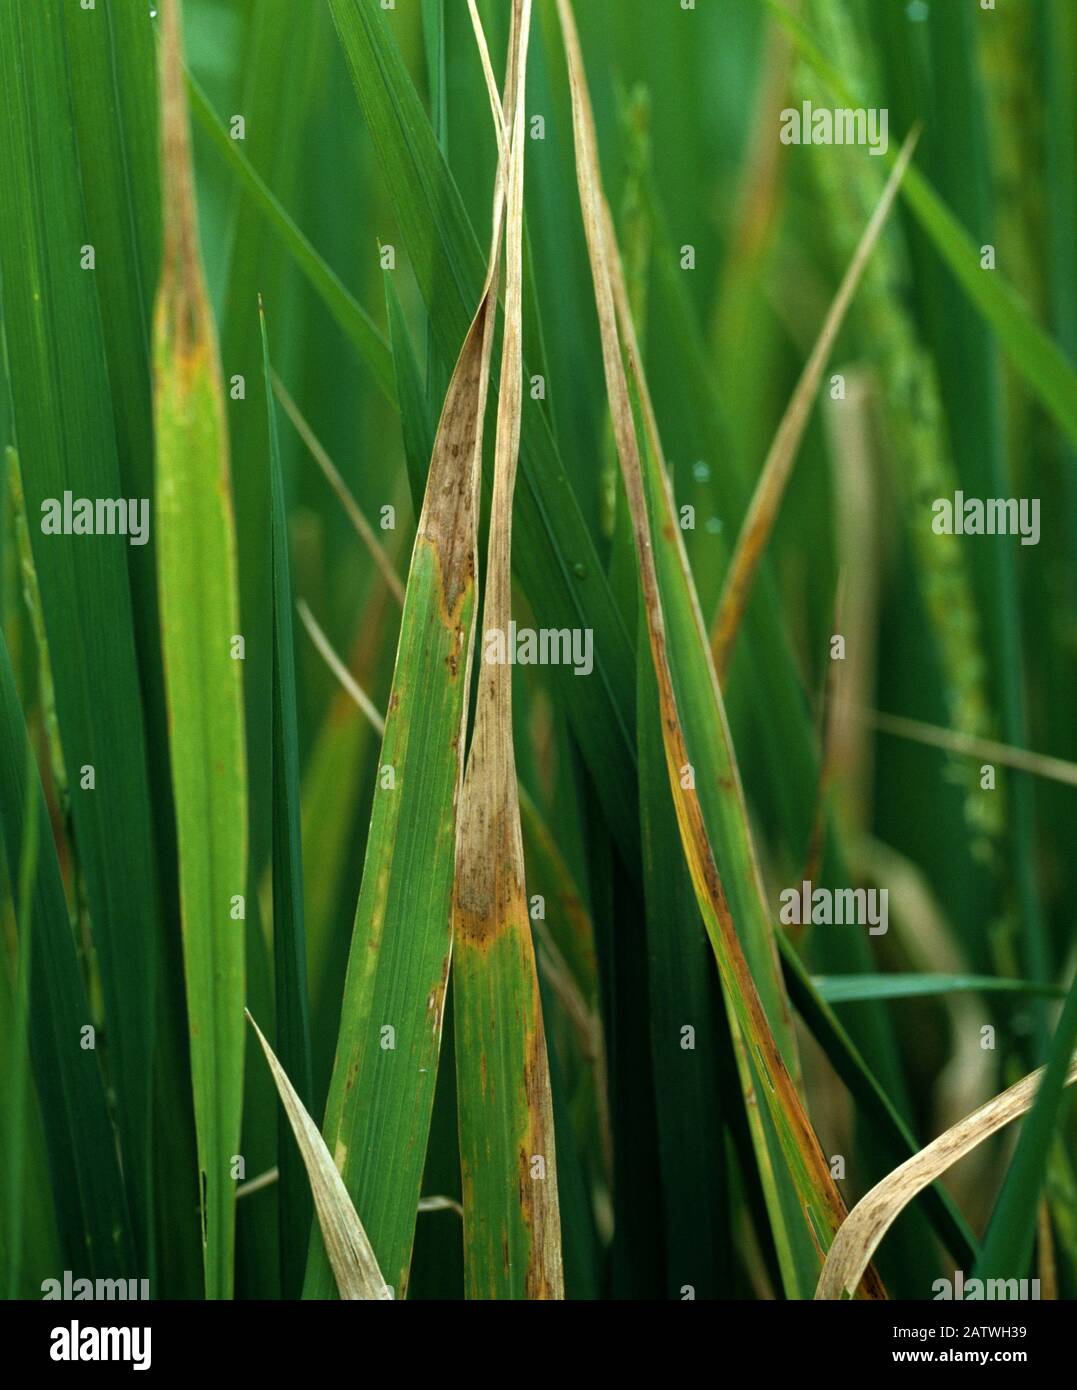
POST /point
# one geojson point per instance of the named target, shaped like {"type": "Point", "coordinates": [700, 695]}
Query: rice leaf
{"type": "Point", "coordinates": [852, 989]}
{"type": "Point", "coordinates": [354, 1266]}
{"type": "Point", "coordinates": [684, 995]}
{"type": "Point", "coordinates": [112, 61]}
{"type": "Point", "coordinates": [556, 560]}
{"type": "Point", "coordinates": [17, 1060]}
{"type": "Point", "coordinates": [88, 1191]}
{"type": "Point", "coordinates": [113, 82]}
{"type": "Point", "coordinates": [338, 299]}
{"type": "Point", "coordinates": [819, 1208]}
{"type": "Point", "coordinates": [512, 1231]}
{"type": "Point", "coordinates": [289, 937]}
{"type": "Point", "coordinates": [416, 417]}
{"type": "Point", "coordinates": [871, 1218]}
{"type": "Point", "coordinates": [566, 937]}
{"type": "Point", "coordinates": [382, 1088]}
{"type": "Point", "coordinates": [203, 676]}
{"type": "Point", "coordinates": [787, 777]}
{"type": "Point", "coordinates": [64, 428]}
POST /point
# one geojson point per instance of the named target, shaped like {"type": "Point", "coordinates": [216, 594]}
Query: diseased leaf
{"type": "Point", "coordinates": [556, 560]}
{"type": "Point", "coordinates": [354, 1266]}
{"type": "Point", "coordinates": [868, 1222]}
{"type": "Point", "coordinates": [382, 1089]}
{"type": "Point", "coordinates": [818, 1209]}
{"type": "Point", "coordinates": [203, 673]}
{"type": "Point", "coordinates": [508, 1166]}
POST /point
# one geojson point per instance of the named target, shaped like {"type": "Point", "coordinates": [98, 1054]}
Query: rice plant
{"type": "Point", "coordinates": [538, 640]}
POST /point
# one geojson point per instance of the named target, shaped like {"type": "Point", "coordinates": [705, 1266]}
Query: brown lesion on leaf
{"type": "Point", "coordinates": [182, 301]}
{"type": "Point", "coordinates": [449, 516]}
{"type": "Point", "coordinates": [454, 571]}
{"type": "Point", "coordinates": [488, 894]}
{"type": "Point", "coordinates": [538, 1196]}
{"type": "Point", "coordinates": [435, 1003]}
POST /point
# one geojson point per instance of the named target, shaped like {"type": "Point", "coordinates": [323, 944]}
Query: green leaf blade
{"type": "Point", "coordinates": [289, 937]}
{"type": "Point", "coordinates": [203, 678]}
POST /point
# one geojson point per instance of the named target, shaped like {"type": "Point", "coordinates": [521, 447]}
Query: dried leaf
{"type": "Point", "coordinates": [356, 1269]}
{"type": "Point", "coordinates": [868, 1222]}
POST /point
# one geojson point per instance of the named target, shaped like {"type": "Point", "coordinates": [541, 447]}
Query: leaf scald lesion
{"type": "Point", "coordinates": [489, 892]}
